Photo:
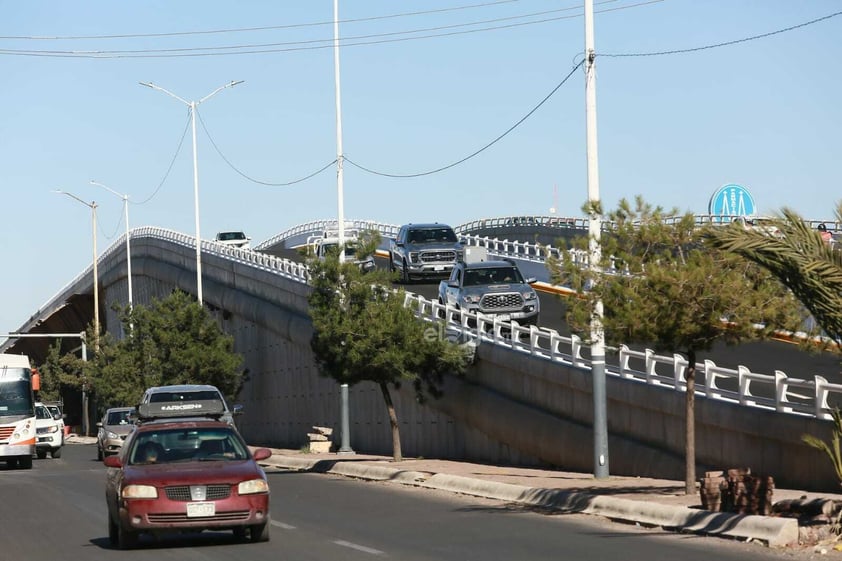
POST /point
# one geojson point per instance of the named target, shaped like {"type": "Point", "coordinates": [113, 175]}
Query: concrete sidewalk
{"type": "Point", "coordinates": [651, 502]}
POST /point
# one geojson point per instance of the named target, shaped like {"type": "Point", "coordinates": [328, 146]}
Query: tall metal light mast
{"type": "Point", "coordinates": [600, 424]}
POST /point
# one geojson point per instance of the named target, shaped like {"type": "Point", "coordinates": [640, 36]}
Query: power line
{"type": "Point", "coordinates": [489, 145]}
{"type": "Point", "coordinates": [306, 45]}
{"type": "Point", "coordinates": [233, 167]}
{"type": "Point", "coordinates": [251, 29]}
{"type": "Point", "coordinates": [155, 192]}
{"type": "Point", "coordinates": [169, 168]}
{"type": "Point", "coordinates": [725, 43]}
{"type": "Point", "coordinates": [347, 39]}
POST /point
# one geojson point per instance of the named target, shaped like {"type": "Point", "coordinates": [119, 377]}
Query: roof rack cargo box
{"type": "Point", "coordinates": [213, 408]}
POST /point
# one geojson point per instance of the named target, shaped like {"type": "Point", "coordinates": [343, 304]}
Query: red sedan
{"type": "Point", "coordinates": [186, 473]}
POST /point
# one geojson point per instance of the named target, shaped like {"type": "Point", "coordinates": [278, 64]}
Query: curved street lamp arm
{"type": "Point", "coordinates": [169, 93]}
{"type": "Point", "coordinates": [230, 84]}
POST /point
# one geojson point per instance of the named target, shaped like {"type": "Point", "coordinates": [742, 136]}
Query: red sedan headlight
{"type": "Point", "coordinates": [252, 487]}
{"type": "Point", "coordinates": [139, 492]}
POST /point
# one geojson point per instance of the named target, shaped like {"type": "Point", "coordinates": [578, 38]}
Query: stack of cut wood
{"type": "Point", "coordinates": [737, 490]}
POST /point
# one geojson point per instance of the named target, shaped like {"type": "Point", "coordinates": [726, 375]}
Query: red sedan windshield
{"type": "Point", "coordinates": [187, 444]}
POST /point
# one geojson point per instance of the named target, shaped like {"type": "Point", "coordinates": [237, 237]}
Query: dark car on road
{"type": "Point", "coordinates": [182, 469]}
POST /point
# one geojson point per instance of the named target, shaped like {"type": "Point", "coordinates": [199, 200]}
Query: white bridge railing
{"type": "Point", "coordinates": [776, 392]}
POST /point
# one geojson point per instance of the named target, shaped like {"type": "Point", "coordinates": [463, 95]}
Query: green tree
{"type": "Point", "coordinates": [60, 373]}
{"type": "Point", "coordinates": [661, 286]}
{"type": "Point", "coordinates": [363, 332]}
{"type": "Point", "coordinates": [172, 341]}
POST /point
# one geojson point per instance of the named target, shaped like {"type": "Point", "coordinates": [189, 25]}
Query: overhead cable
{"type": "Point", "coordinates": [375, 39]}
{"type": "Point", "coordinates": [484, 148]}
{"type": "Point", "coordinates": [169, 168]}
{"type": "Point", "coordinates": [725, 43]}
{"type": "Point", "coordinates": [267, 183]}
{"type": "Point", "coordinates": [252, 29]}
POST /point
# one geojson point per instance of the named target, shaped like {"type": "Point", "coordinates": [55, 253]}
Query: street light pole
{"type": "Point", "coordinates": [92, 205]}
{"type": "Point", "coordinates": [192, 105]}
{"type": "Point", "coordinates": [600, 422]}
{"type": "Point", "coordinates": [340, 156]}
{"type": "Point", "coordinates": [128, 245]}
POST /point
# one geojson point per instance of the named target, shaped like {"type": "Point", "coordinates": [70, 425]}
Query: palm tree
{"type": "Point", "coordinates": [798, 256]}
{"type": "Point", "coordinates": [810, 267]}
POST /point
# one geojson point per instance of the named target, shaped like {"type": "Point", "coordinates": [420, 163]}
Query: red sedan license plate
{"type": "Point", "coordinates": [195, 510]}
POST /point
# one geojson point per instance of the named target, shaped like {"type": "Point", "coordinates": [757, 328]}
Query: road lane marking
{"type": "Point", "coordinates": [282, 525]}
{"type": "Point", "coordinates": [358, 547]}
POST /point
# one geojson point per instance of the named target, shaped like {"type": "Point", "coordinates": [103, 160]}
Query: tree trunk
{"type": "Point", "coordinates": [690, 425]}
{"type": "Point", "coordinates": [393, 422]}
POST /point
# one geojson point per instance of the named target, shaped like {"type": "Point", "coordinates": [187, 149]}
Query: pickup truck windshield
{"type": "Point", "coordinates": [497, 275]}
{"type": "Point", "coordinates": [429, 235]}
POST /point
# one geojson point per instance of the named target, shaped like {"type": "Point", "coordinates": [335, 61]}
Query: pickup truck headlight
{"type": "Point", "coordinates": [471, 299]}
{"type": "Point", "coordinates": [413, 256]}
{"type": "Point", "coordinates": [530, 295]}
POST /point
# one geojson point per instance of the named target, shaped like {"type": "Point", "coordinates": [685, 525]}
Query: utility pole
{"type": "Point", "coordinates": [345, 447]}
{"type": "Point", "coordinates": [600, 423]}
{"type": "Point", "coordinates": [340, 156]}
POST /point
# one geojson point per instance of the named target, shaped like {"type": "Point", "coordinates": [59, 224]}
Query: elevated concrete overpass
{"type": "Point", "coordinates": [518, 404]}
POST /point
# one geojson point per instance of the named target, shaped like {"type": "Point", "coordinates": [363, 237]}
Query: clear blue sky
{"type": "Point", "coordinates": [763, 113]}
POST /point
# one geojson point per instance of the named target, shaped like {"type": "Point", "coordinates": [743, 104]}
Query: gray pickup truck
{"type": "Point", "coordinates": [494, 288]}
{"type": "Point", "coordinates": [424, 251]}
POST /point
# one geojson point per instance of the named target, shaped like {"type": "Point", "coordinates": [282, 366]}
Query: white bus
{"type": "Point", "coordinates": [17, 410]}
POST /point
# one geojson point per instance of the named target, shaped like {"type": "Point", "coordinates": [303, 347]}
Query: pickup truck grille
{"type": "Point", "coordinates": [501, 301]}
{"type": "Point", "coordinates": [438, 256]}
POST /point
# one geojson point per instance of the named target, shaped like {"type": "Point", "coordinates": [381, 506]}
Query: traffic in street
{"type": "Point", "coordinates": [57, 510]}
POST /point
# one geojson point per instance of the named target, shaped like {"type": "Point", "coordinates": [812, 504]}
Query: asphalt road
{"type": "Point", "coordinates": [57, 511]}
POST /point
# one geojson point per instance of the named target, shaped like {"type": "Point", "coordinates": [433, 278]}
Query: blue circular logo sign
{"type": "Point", "coordinates": [731, 200]}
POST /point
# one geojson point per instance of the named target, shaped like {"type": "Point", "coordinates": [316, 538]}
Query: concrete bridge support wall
{"type": "Point", "coordinates": [510, 408]}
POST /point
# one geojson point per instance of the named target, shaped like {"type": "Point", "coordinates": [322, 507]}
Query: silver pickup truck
{"type": "Point", "coordinates": [492, 288]}
{"type": "Point", "coordinates": [422, 251]}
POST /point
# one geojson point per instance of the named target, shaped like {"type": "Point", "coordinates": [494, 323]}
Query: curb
{"type": "Point", "coordinates": [776, 532]}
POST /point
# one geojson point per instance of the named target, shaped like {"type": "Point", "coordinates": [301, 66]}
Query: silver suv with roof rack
{"type": "Point", "coordinates": [175, 397]}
